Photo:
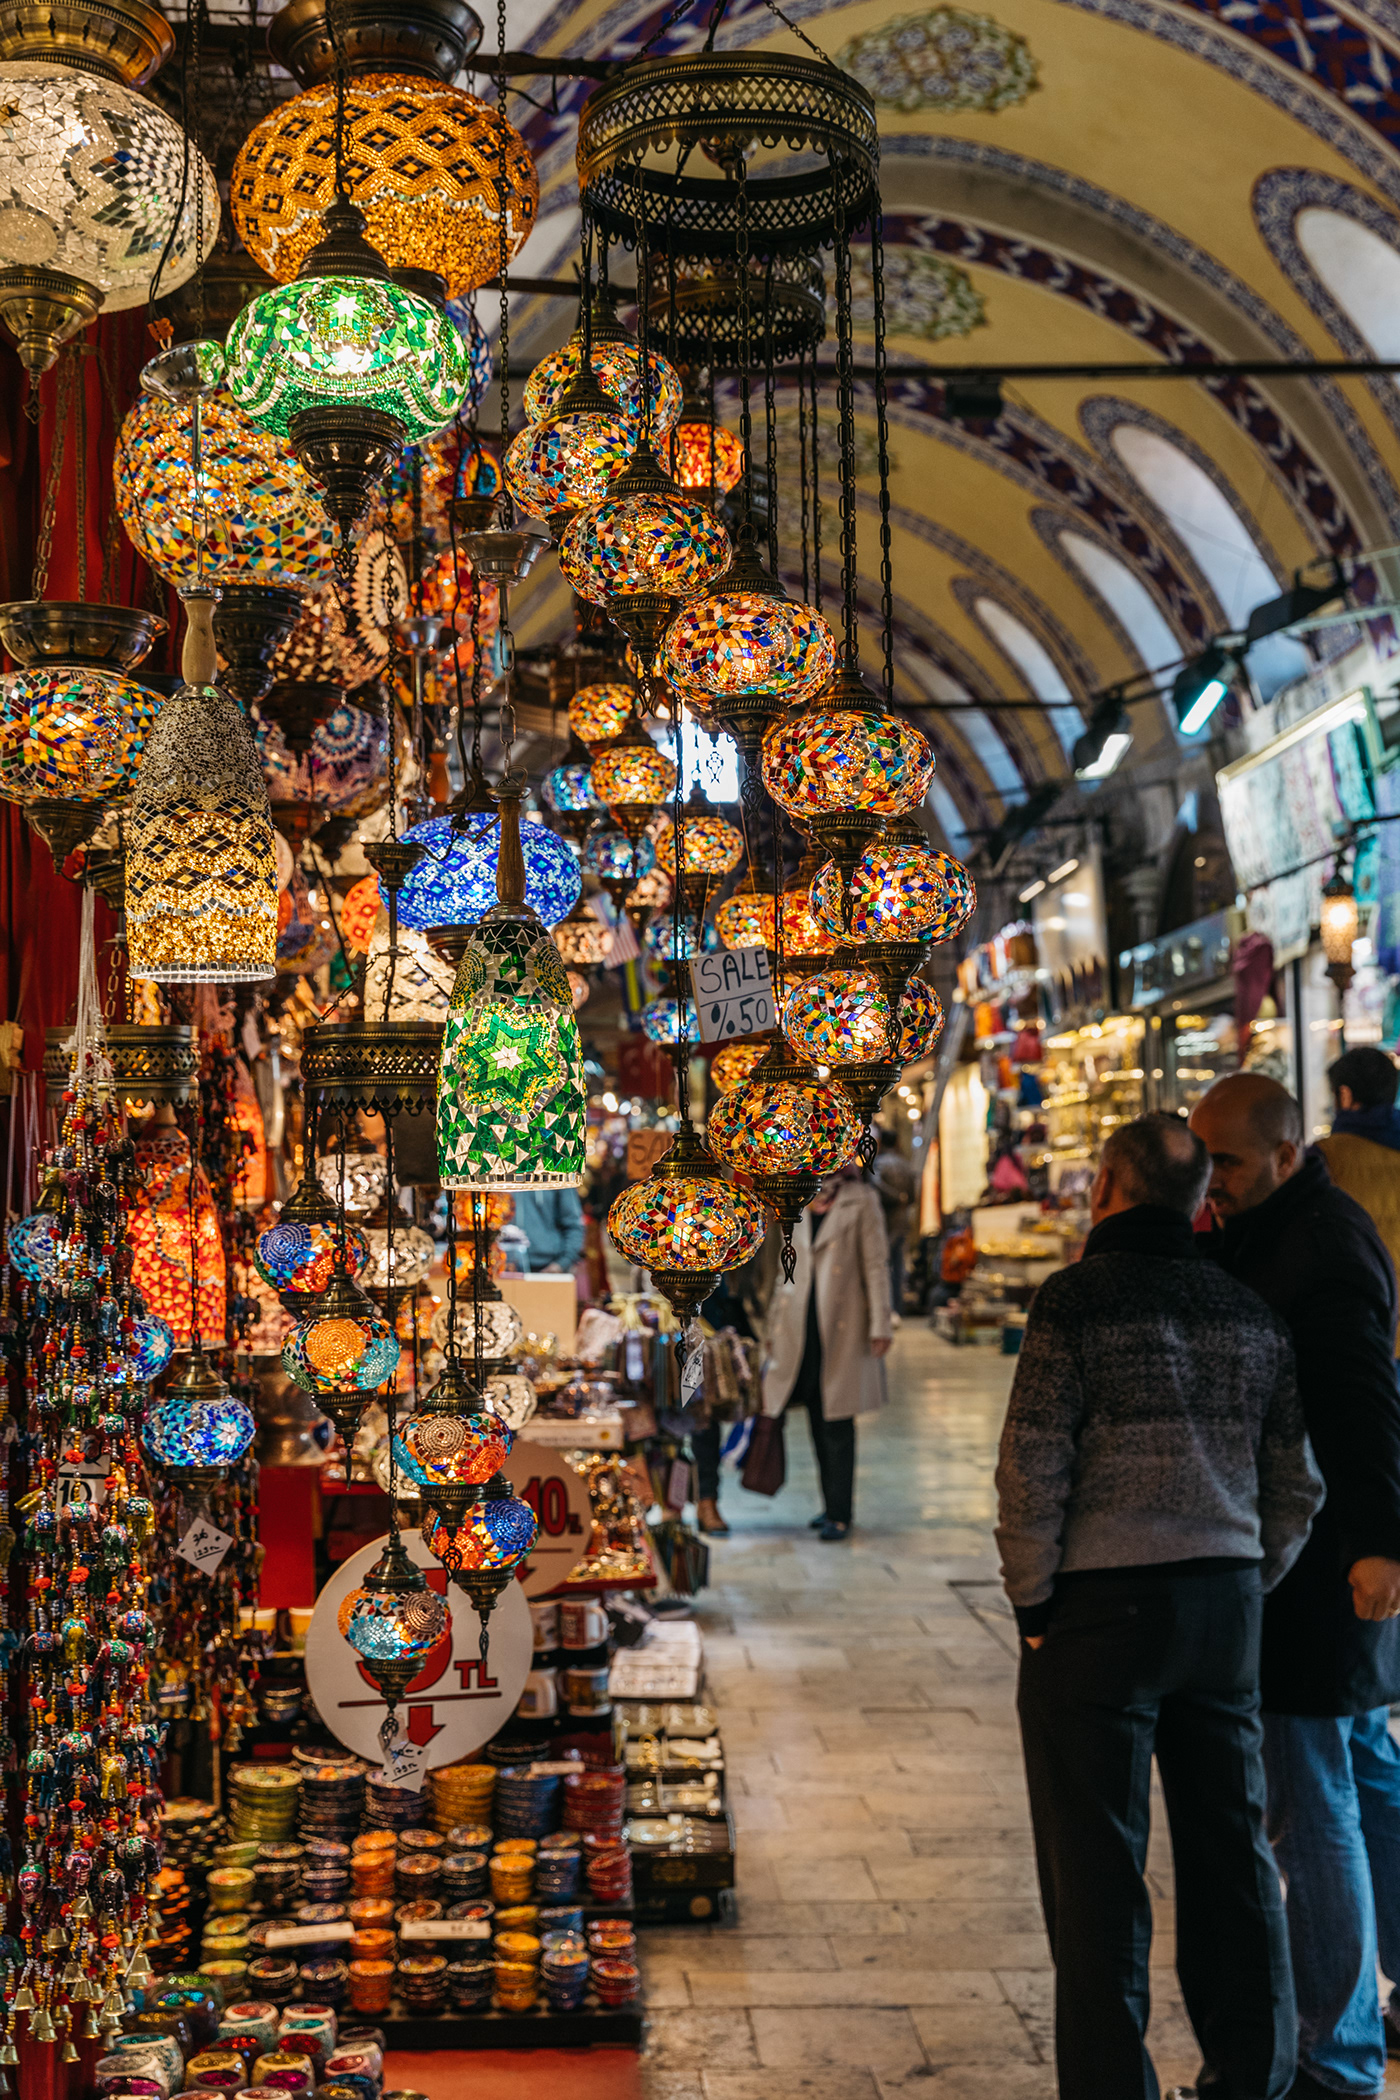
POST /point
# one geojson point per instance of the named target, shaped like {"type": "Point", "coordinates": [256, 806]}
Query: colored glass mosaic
{"type": "Point", "coordinates": [740, 921]}
{"type": "Point", "coordinates": [31, 1245]}
{"type": "Point", "coordinates": [597, 713]}
{"type": "Point", "coordinates": [661, 1021]}
{"type": "Point", "coordinates": [731, 1066]}
{"type": "Point", "coordinates": [393, 1626]}
{"type": "Point", "coordinates": [712, 845]}
{"type": "Point", "coordinates": [299, 1254]}
{"type": "Point", "coordinates": [425, 162]}
{"type": "Point", "coordinates": [511, 1090]}
{"type": "Point", "coordinates": [687, 1223]}
{"type": "Point", "coordinates": [478, 353]}
{"type": "Point", "coordinates": [444, 1447]}
{"type": "Point", "coordinates": [477, 471]}
{"type": "Point", "coordinates": [76, 735]}
{"type": "Point", "coordinates": [705, 456]}
{"type": "Point", "coordinates": [359, 909]}
{"type": "Point", "coordinates": [255, 514]}
{"type": "Point", "coordinates": [783, 1126]}
{"type": "Point", "coordinates": [662, 943]}
{"type": "Point", "coordinates": [900, 892]}
{"type": "Point", "coordinates": [617, 367]}
{"type": "Point", "coordinates": [184, 1431]}
{"type": "Point", "coordinates": [201, 872]}
{"type": "Point", "coordinates": [802, 936]}
{"type": "Point", "coordinates": [97, 175]}
{"type": "Point", "coordinates": [840, 1017]}
{"type": "Point", "coordinates": [920, 1022]}
{"type": "Point", "coordinates": [627, 544]}
{"type": "Point", "coordinates": [149, 1346]}
{"type": "Point", "coordinates": [343, 772]}
{"type": "Point", "coordinates": [347, 341]}
{"type": "Point", "coordinates": [454, 884]}
{"type": "Point", "coordinates": [568, 789]}
{"type": "Point", "coordinates": [158, 1234]}
{"type": "Point", "coordinates": [493, 1538]}
{"type": "Point", "coordinates": [609, 854]}
{"type": "Point", "coordinates": [652, 892]}
{"type": "Point", "coordinates": [841, 758]}
{"type": "Point", "coordinates": [355, 1184]}
{"type": "Point", "coordinates": [399, 1268]}
{"type": "Point", "coordinates": [338, 1353]}
{"type": "Point", "coordinates": [735, 642]}
{"type": "Point", "coordinates": [582, 939]}
{"type": "Point", "coordinates": [343, 636]}
{"type": "Point", "coordinates": [501, 1325]}
{"type": "Point", "coordinates": [627, 775]}
{"type": "Point", "coordinates": [567, 462]}
{"type": "Point", "coordinates": [422, 979]}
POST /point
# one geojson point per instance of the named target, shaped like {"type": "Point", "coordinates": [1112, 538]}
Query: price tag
{"type": "Point", "coordinates": [733, 993]}
{"type": "Point", "coordinates": [309, 1935]}
{"type": "Point", "coordinates": [204, 1545]}
{"type": "Point", "coordinates": [405, 1765]}
{"type": "Point", "coordinates": [678, 1484]}
{"type": "Point", "coordinates": [84, 1482]}
{"type": "Point", "coordinates": [445, 1929]}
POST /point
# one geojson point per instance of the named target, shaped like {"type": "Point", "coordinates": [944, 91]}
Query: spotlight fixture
{"type": "Point", "coordinates": [1200, 686]}
{"type": "Point", "coordinates": [1277, 615]}
{"type": "Point", "coordinates": [1104, 742]}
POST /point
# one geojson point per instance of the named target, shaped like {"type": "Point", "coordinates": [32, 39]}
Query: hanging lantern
{"type": "Point", "coordinates": [661, 1021]}
{"type": "Point", "coordinates": [297, 1256]}
{"type": "Point", "coordinates": [732, 1065]}
{"type": "Point", "coordinates": [582, 939]}
{"type": "Point", "coordinates": [489, 1329]}
{"type": "Point", "coordinates": [555, 467]}
{"type": "Point", "coordinates": [430, 166]}
{"type": "Point", "coordinates": [642, 547]}
{"type": "Point", "coordinates": [712, 848]}
{"type": "Point", "coordinates": [786, 1130]}
{"type": "Point", "coordinates": [201, 873]}
{"type": "Point", "coordinates": [342, 1352]}
{"type": "Point", "coordinates": [687, 1223]}
{"type": "Point", "coordinates": [359, 910]}
{"type": "Point", "coordinates": [451, 1446]}
{"type": "Point", "coordinates": [355, 1182]}
{"type": "Point", "coordinates": [598, 713]}
{"type": "Point", "coordinates": [396, 1268]}
{"type": "Point", "coordinates": [631, 776]}
{"type": "Point", "coordinates": [454, 884]}
{"type": "Point", "coordinates": [665, 943]}
{"type": "Point", "coordinates": [1340, 926]}
{"type": "Point", "coordinates": [704, 457]}
{"type": "Point", "coordinates": [617, 859]}
{"type": "Point", "coordinates": [902, 888]}
{"type": "Point", "coordinates": [482, 1553]}
{"type": "Point", "coordinates": [198, 1430]}
{"type": "Point", "coordinates": [615, 359]}
{"type": "Point", "coordinates": [920, 1022]}
{"type": "Point", "coordinates": [568, 791]}
{"type": "Point", "coordinates": [511, 1094]}
{"type": "Point", "coordinates": [393, 1621]}
{"type": "Point", "coordinates": [745, 919]}
{"type": "Point", "coordinates": [652, 893]}
{"type": "Point", "coordinates": [840, 1017]}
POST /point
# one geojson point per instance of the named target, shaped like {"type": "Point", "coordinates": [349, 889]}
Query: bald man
{"type": "Point", "coordinates": [1331, 1645]}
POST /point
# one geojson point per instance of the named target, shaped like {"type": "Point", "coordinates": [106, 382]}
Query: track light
{"type": "Point", "coordinates": [1276, 615]}
{"type": "Point", "coordinates": [1102, 744]}
{"type": "Point", "coordinates": [1200, 686]}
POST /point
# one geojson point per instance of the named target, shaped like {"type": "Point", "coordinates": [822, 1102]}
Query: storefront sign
{"type": "Point", "coordinates": [644, 1149]}
{"type": "Point", "coordinates": [455, 1703]}
{"type": "Point", "coordinates": [733, 993]}
{"type": "Point", "coordinates": [559, 1497]}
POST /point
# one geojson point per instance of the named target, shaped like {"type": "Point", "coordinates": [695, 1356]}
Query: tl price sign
{"type": "Point", "coordinates": [559, 1497]}
{"type": "Point", "coordinates": [453, 1705]}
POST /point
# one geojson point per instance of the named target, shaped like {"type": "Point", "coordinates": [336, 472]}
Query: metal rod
{"type": "Point", "coordinates": [1195, 368]}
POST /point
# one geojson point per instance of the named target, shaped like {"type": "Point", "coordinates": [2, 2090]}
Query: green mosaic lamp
{"type": "Point", "coordinates": [511, 1096]}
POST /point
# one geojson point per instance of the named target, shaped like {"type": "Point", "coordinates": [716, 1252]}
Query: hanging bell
{"type": "Point", "coordinates": [70, 2054]}
{"type": "Point", "coordinates": [114, 2004]}
{"type": "Point", "coordinates": [9, 2054]}
{"type": "Point", "coordinates": [93, 2031]}
{"type": "Point", "coordinates": [41, 2027]}
{"type": "Point", "coordinates": [55, 1940]}
{"type": "Point", "coordinates": [139, 1969]}
{"type": "Point", "coordinates": [23, 2000]}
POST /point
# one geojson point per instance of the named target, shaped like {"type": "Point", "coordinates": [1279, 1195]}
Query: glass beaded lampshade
{"type": "Point", "coordinates": [920, 1020]}
{"type": "Point", "coordinates": [630, 544]}
{"type": "Point", "coordinates": [344, 1346]}
{"type": "Point", "coordinates": [731, 1066]}
{"type": "Point", "coordinates": [357, 1184]}
{"type": "Point", "coordinates": [454, 884]}
{"type": "Point", "coordinates": [401, 1267]}
{"type": "Point", "coordinates": [745, 919]}
{"type": "Point", "coordinates": [617, 367]}
{"type": "Point", "coordinates": [425, 162]}
{"type": "Point", "coordinates": [653, 892]}
{"type": "Point", "coordinates": [611, 855]}
{"type": "Point", "coordinates": [704, 456]}
{"type": "Point", "coordinates": [712, 845]}
{"type": "Point", "coordinates": [837, 759]}
{"type": "Point", "coordinates": [597, 713]}
{"type": "Point", "coordinates": [261, 513]}
{"type": "Point", "coordinates": [422, 979]}
{"type": "Point", "coordinates": [630, 776]}
{"type": "Point", "coordinates": [99, 182]}
{"type": "Point", "coordinates": [198, 1423]}
{"type": "Point", "coordinates": [71, 733]}
{"type": "Point", "coordinates": [840, 1017]}
{"type": "Point", "coordinates": [582, 939]}
{"type": "Point", "coordinates": [501, 1327]}
{"type": "Point", "coordinates": [569, 789]}
{"type": "Point", "coordinates": [900, 891]}
{"type": "Point", "coordinates": [783, 1126]}
{"type": "Point", "coordinates": [738, 642]}
{"type": "Point", "coordinates": [201, 872]}
{"type": "Point", "coordinates": [493, 1538]}
{"type": "Point", "coordinates": [568, 460]}
{"type": "Point", "coordinates": [347, 342]}
{"type": "Point", "coordinates": [661, 1021]}
{"type": "Point", "coordinates": [344, 636]}
{"type": "Point", "coordinates": [687, 1223]}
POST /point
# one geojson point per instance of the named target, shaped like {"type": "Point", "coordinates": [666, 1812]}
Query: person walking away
{"type": "Point", "coordinates": [1331, 1648]}
{"type": "Point", "coordinates": [552, 1221]}
{"type": "Point", "coordinates": [1363, 1152]}
{"type": "Point", "coordinates": [897, 1185]}
{"type": "Point", "coordinates": [1154, 1481]}
{"type": "Point", "coordinates": [724, 1308]}
{"type": "Point", "coordinates": [828, 1331]}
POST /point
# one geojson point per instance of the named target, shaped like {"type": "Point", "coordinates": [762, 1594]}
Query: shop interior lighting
{"type": "Point", "coordinates": [1199, 687]}
{"type": "Point", "coordinates": [1032, 889]}
{"type": "Point", "coordinates": [1066, 867]}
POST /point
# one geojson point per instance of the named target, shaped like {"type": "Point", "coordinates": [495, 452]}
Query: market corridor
{"type": "Point", "coordinates": [888, 1933]}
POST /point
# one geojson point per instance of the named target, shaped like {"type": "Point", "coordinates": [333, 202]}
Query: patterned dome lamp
{"type": "Point", "coordinates": [786, 1130]}
{"type": "Point", "coordinates": [393, 1621]}
{"type": "Point", "coordinates": [451, 1446]}
{"type": "Point", "coordinates": [632, 777]}
{"type": "Point", "coordinates": [198, 1430]}
{"type": "Point", "coordinates": [582, 939]}
{"type": "Point", "coordinates": [687, 1223]}
{"type": "Point", "coordinates": [843, 1019]}
{"type": "Point", "coordinates": [618, 859]}
{"type": "Point", "coordinates": [568, 791]}
{"type": "Point", "coordinates": [906, 896]}
{"type": "Point", "coordinates": [615, 356]}
{"type": "Point", "coordinates": [483, 1553]}
{"type": "Point", "coordinates": [599, 713]}
{"type": "Point", "coordinates": [712, 847]}
{"type": "Point", "coordinates": [297, 1255]}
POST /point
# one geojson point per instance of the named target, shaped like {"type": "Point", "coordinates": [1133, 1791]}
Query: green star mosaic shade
{"type": "Point", "coordinates": [333, 341]}
{"type": "Point", "coordinates": [511, 1094]}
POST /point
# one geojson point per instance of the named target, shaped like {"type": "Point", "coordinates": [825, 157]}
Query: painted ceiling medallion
{"type": "Point", "coordinates": [942, 58]}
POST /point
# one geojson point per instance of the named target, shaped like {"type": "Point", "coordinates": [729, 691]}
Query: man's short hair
{"type": "Point", "coordinates": [1158, 1159]}
{"type": "Point", "coordinates": [1371, 1075]}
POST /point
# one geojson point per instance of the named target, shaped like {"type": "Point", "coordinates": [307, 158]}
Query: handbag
{"type": "Point", "coordinates": [765, 1464]}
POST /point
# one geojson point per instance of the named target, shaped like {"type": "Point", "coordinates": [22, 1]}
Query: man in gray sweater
{"type": "Point", "coordinates": [1155, 1481]}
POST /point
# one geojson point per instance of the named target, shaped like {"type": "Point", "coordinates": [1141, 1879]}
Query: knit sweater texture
{"type": "Point", "coordinates": [1154, 1419]}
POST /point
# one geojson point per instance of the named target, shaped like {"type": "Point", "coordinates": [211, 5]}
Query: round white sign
{"type": "Point", "coordinates": [453, 1705]}
{"type": "Point", "coordinates": [563, 1510]}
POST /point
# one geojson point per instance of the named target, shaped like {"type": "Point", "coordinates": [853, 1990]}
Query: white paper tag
{"type": "Point", "coordinates": [445, 1929]}
{"type": "Point", "coordinates": [84, 1482]}
{"type": "Point", "coordinates": [733, 993]}
{"type": "Point", "coordinates": [309, 1935]}
{"type": "Point", "coordinates": [204, 1545]}
{"type": "Point", "coordinates": [405, 1766]}
{"type": "Point", "coordinates": [693, 1374]}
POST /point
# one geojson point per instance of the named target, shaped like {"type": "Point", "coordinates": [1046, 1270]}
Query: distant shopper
{"type": "Point", "coordinates": [552, 1222]}
{"type": "Point", "coordinates": [1363, 1152]}
{"type": "Point", "coordinates": [1155, 1481]}
{"type": "Point", "coordinates": [897, 1184]}
{"type": "Point", "coordinates": [1331, 1648]}
{"type": "Point", "coordinates": [828, 1330]}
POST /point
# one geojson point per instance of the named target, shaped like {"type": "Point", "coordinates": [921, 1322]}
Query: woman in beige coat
{"type": "Point", "coordinates": [827, 1332]}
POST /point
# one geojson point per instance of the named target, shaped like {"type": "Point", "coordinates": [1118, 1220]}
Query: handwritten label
{"type": "Point", "coordinates": [84, 1482]}
{"type": "Point", "coordinates": [405, 1764]}
{"type": "Point", "coordinates": [204, 1545]}
{"type": "Point", "coordinates": [733, 993]}
{"type": "Point", "coordinates": [309, 1935]}
{"type": "Point", "coordinates": [644, 1149]}
{"type": "Point", "coordinates": [445, 1929]}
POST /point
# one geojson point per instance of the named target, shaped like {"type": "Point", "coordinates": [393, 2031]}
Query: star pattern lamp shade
{"type": "Point", "coordinates": [201, 869]}
{"type": "Point", "coordinates": [423, 161]}
{"type": "Point", "coordinates": [512, 1098]}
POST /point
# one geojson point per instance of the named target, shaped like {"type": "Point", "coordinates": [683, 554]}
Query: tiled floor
{"type": "Point", "coordinates": [887, 1931]}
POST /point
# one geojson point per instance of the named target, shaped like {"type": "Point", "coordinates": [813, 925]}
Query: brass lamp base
{"type": "Point", "coordinates": [64, 826]}
{"type": "Point", "coordinates": [43, 310]}
{"type": "Point", "coordinates": [249, 622]}
{"type": "Point", "coordinates": [387, 1067]}
{"type": "Point", "coordinates": [346, 451]}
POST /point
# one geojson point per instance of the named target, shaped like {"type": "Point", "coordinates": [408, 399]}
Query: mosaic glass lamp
{"type": "Point", "coordinates": [616, 362]}
{"type": "Point", "coordinates": [840, 1017]}
{"type": "Point", "coordinates": [661, 1021]}
{"type": "Point", "coordinates": [902, 888]}
{"type": "Point", "coordinates": [201, 869]}
{"type": "Point", "coordinates": [149, 1346]}
{"type": "Point", "coordinates": [71, 733]}
{"type": "Point", "coordinates": [646, 540]}
{"type": "Point", "coordinates": [568, 790]}
{"type": "Point", "coordinates": [842, 766]}
{"type": "Point", "coordinates": [920, 1018]}
{"type": "Point", "coordinates": [786, 1130]}
{"type": "Point", "coordinates": [555, 467]}
{"type": "Point", "coordinates": [103, 183]}
{"type": "Point", "coordinates": [297, 1255]}
{"type": "Point", "coordinates": [500, 1327]}
{"type": "Point", "coordinates": [704, 456]}
{"type": "Point", "coordinates": [652, 892]}
{"type": "Point", "coordinates": [664, 942]}
{"type": "Point", "coordinates": [452, 1445]}
{"type": "Point", "coordinates": [582, 939]}
{"type": "Point", "coordinates": [260, 512]}
{"type": "Point", "coordinates": [598, 713]}
{"type": "Point", "coordinates": [619, 861]}
{"type": "Point", "coordinates": [198, 1428]}
{"type": "Point", "coordinates": [31, 1245]}
{"type": "Point", "coordinates": [342, 1352]}
{"type": "Point", "coordinates": [454, 884]}
{"type": "Point", "coordinates": [631, 777]}
{"type": "Point", "coordinates": [687, 1223]}
{"type": "Point", "coordinates": [745, 919]}
{"type": "Point", "coordinates": [393, 1621]}
{"type": "Point", "coordinates": [711, 848]}
{"type": "Point", "coordinates": [732, 1065]}
{"type": "Point", "coordinates": [359, 911]}
{"type": "Point", "coordinates": [483, 1552]}
{"type": "Point", "coordinates": [427, 163]}
{"type": "Point", "coordinates": [511, 1093]}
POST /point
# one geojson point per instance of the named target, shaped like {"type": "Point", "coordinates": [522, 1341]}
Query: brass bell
{"type": "Point", "coordinates": [113, 2005]}
{"type": "Point", "coordinates": [9, 2054]}
{"type": "Point", "coordinates": [41, 2027]}
{"type": "Point", "coordinates": [70, 2054]}
{"type": "Point", "coordinates": [93, 2031]}
{"type": "Point", "coordinates": [55, 1940]}
{"type": "Point", "coordinates": [23, 2000]}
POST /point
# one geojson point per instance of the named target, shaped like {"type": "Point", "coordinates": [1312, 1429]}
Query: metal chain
{"type": "Point", "coordinates": [643, 328]}
{"type": "Point", "coordinates": [770, 417]}
{"type": "Point", "coordinates": [111, 536]}
{"type": "Point", "coordinates": [193, 23]}
{"type": "Point", "coordinates": [677, 966]}
{"type": "Point", "coordinates": [336, 26]}
{"type": "Point", "coordinates": [741, 253]}
{"type": "Point", "coordinates": [80, 464]}
{"type": "Point", "coordinates": [882, 427]}
{"type": "Point", "coordinates": [801, 35]}
{"type": "Point", "coordinates": [802, 463]}
{"type": "Point", "coordinates": [846, 409]}
{"type": "Point", "coordinates": [502, 188]}
{"type": "Point", "coordinates": [816, 489]}
{"type": "Point", "coordinates": [43, 545]}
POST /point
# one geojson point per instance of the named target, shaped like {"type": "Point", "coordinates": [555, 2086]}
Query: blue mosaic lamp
{"type": "Point", "coordinates": [393, 1621]}
{"type": "Point", "coordinates": [150, 1346]}
{"type": "Point", "coordinates": [452, 1445]}
{"type": "Point", "coordinates": [297, 1254]}
{"type": "Point", "coordinates": [199, 1429]}
{"type": "Point", "coordinates": [454, 884]}
{"type": "Point", "coordinates": [661, 1021]}
{"type": "Point", "coordinates": [482, 1553]}
{"type": "Point", "coordinates": [342, 1352]}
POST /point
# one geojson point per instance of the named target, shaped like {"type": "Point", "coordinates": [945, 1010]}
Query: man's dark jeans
{"type": "Point", "coordinates": [1137, 1660]}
